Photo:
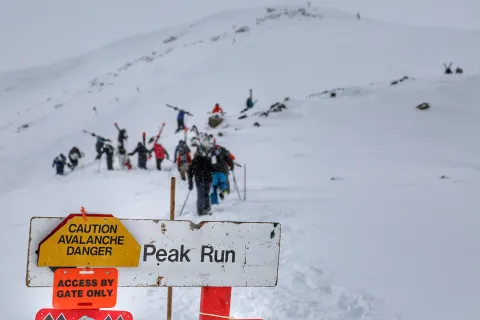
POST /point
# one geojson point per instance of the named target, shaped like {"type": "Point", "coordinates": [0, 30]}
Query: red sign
{"type": "Point", "coordinates": [62, 314]}
{"type": "Point", "coordinates": [215, 303]}
{"type": "Point", "coordinates": [78, 288]}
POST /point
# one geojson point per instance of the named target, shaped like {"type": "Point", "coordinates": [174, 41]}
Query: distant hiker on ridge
{"type": "Point", "coordinates": [217, 109]}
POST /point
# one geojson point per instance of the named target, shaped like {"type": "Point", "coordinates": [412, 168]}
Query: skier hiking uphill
{"type": "Point", "coordinates": [122, 136]}
{"type": "Point", "coordinates": [73, 156]}
{"type": "Point", "coordinates": [249, 103]}
{"type": "Point", "coordinates": [99, 144]}
{"type": "Point", "coordinates": [217, 109]}
{"type": "Point", "coordinates": [180, 117]}
{"type": "Point", "coordinates": [180, 121]}
{"type": "Point", "coordinates": [123, 159]}
{"type": "Point", "coordinates": [160, 153]}
{"type": "Point", "coordinates": [182, 158]}
{"type": "Point", "coordinates": [59, 163]}
{"type": "Point", "coordinates": [202, 169]}
{"type": "Point", "coordinates": [142, 155]}
{"type": "Point", "coordinates": [221, 163]}
{"type": "Point", "coordinates": [109, 150]}
{"type": "Point", "coordinates": [227, 172]}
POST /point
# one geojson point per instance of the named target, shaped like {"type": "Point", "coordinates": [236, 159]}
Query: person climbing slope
{"type": "Point", "coordinates": [180, 121]}
{"type": "Point", "coordinates": [142, 155]}
{"type": "Point", "coordinates": [226, 168]}
{"type": "Point", "coordinates": [73, 156]}
{"type": "Point", "coordinates": [182, 158]}
{"type": "Point", "coordinates": [180, 117]}
{"type": "Point", "coordinates": [160, 153]}
{"type": "Point", "coordinates": [99, 145]}
{"type": "Point", "coordinates": [122, 136]}
{"type": "Point", "coordinates": [202, 169]}
{"type": "Point", "coordinates": [59, 163]}
{"type": "Point", "coordinates": [109, 150]}
{"type": "Point", "coordinates": [218, 109]}
{"type": "Point", "coordinates": [221, 163]}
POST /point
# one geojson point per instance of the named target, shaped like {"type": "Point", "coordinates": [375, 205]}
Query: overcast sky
{"type": "Point", "coordinates": [36, 32]}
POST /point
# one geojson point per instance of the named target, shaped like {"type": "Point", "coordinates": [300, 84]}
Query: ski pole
{"type": "Point", "coordinates": [236, 185]}
{"type": "Point", "coordinates": [184, 203]}
{"type": "Point", "coordinates": [245, 182]}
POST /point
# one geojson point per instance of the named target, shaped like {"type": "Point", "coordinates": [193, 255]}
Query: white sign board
{"type": "Point", "coordinates": [183, 254]}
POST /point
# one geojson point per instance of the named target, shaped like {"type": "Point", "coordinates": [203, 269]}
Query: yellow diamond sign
{"type": "Point", "coordinates": [90, 240]}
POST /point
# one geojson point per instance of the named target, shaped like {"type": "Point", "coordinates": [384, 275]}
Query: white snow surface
{"type": "Point", "coordinates": [369, 229]}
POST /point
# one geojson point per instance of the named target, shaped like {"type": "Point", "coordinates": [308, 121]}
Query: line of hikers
{"type": "Point", "coordinates": [209, 167]}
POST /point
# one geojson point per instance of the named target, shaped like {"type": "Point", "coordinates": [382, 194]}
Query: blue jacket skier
{"type": "Point", "coordinates": [180, 120]}
{"type": "Point", "coordinates": [249, 105]}
{"type": "Point", "coordinates": [59, 162]}
{"type": "Point", "coordinates": [222, 162]}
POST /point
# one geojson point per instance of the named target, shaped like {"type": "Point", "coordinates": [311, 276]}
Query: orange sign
{"type": "Point", "coordinates": [78, 288]}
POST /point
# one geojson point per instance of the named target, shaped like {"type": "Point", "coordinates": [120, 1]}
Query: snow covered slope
{"type": "Point", "coordinates": [39, 33]}
{"type": "Point", "coordinates": [384, 239]}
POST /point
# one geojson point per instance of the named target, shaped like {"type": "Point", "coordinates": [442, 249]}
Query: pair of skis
{"type": "Point", "coordinates": [156, 138]}
{"type": "Point", "coordinates": [127, 162]}
{"type": "Point", "coordinates": [179, 109]}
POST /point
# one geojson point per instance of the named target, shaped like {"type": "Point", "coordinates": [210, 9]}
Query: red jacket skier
{"type": "Point", "coordinates": [160, 154]}
{"type": "Point", "coordinates": [217, 109]}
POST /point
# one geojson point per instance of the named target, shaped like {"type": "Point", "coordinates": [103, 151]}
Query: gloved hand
{"type": "Point", "coordinates": [190, 186]}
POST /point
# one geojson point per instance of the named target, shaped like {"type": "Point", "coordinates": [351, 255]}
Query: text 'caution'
{"type": "Point", "coordinates": [99, 241]}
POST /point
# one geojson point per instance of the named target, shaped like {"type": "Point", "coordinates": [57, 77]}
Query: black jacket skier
{"type": "Point", "coordinates": [202, 169]}
{"type": "Point", "coordinates": [181, 149]}
{"type": "Point", "coordinates": [142, 155]}
{"type": "Point", "coordinates": [223, 162]}
{"type": "Point", "coordinates": [59, 162]}
{"type": "Point", "coordinates": [73, 156]}
{"type": "Point", "coordinates": [109, 150]}
{"type": "Point", "coordinates": [99, 145]}
{"type": "Point", "coordinates": [122, 137]}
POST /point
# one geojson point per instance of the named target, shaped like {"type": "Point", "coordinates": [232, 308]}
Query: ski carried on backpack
{"type": "Point", "coordinates": [160, 132]}
{"type": "Point", "coordinates": [185, 130]}
{"type": "Point", "coordinates": [178, 109]}
{"type": "Point", "coordinates": [156, 138]}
